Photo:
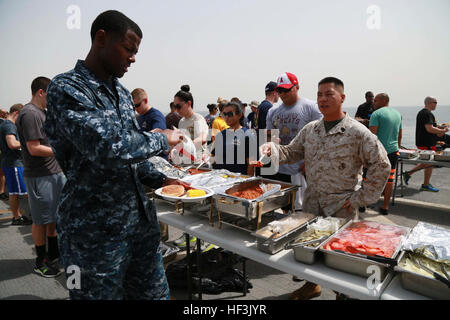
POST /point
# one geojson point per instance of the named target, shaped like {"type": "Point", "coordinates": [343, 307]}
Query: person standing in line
{"type": "Point", "coordinates": [3, 195]}
{"type": "Point", "coordinates": [427, 136]}
{"type": "Point", "coordinates": [335, 148]}
{"type": "Point", "coordinates": [386, 123]}
{"type": "Point", "coordinates": [252, 117]}
{"type": "Point", "coordinates": [271, 98]}
{"type": "Point", "coordinates": [219, 124]}
{"type": "Point", "coordinates": [193, 124]}
{"type": "Point", "coordinates": [149, 117]}
{"type": "Point", "coordinates": [172, 118]}
{"type": "Point", "coordinates": [107, 226]}
{"type": "Point", "coordinates": [289, 118]}
{"type": "Point", "coordinates": [43, 177]}
{"type": "Point", "coordinates": [12, 164]}
{"type": "Point", "coordinates": [232, 145]}
{"type": "Point", "coordinates": [365, 110]}
{"type": "Point", "coordinates": [212, 114]}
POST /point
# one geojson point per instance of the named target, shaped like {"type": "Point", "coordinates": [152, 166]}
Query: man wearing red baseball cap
{"type": "Point", "coordinates": [289, 118]}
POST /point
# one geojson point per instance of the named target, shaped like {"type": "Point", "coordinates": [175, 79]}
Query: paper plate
{"type": "Point", "coordinates": [185, 198]}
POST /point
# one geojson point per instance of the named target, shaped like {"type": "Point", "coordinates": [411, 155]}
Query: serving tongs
{"type": "Point", "coordinates": [304, 243]}
{"type": "Point", "coordinates": [436, 275]}
{"type": "Point", "coordinates": [391, 262]}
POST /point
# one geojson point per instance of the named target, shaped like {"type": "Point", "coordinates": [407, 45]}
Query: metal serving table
{"type": "Point", "coordinates": [416, 160]}
{"type": "Point", "coordinates": [243, 244]}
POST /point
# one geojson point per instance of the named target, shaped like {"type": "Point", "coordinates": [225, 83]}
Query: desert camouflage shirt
{"type": "Point", "coordinates": [102, 151]}
{"type": "Point", "coordinates": [334, 162]}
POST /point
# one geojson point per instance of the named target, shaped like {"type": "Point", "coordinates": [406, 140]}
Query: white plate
{"type": "Point", "coordinates": [185, 198]}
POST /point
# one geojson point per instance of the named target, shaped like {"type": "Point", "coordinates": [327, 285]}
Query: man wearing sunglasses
{"type": "Point", "coordinates": [149, 117]}
{"type": "Point", "coordinates": [289, 118]}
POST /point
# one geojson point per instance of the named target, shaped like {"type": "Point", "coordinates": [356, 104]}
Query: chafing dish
{"type": "Point", "coordinates": [251, 209]}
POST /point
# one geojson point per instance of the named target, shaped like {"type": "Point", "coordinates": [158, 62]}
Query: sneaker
{"type": "Point", "coordinates": [206, 246]}
{"type": "Point", "coordinates": [429, 187]}
{"type": "Point", "coordinates": [406, 177]}
{"type": "Point", "coordinates": [181, 241]}
{"type": "Point", "coordinates": [21, 221]}
{"type": "Point", "coordinates": [384, 212]}
{"type": "Point", "coordinates": [44, 270]}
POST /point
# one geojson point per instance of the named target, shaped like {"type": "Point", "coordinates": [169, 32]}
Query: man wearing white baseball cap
{"type": "Point", "coordinates": [289, 118]}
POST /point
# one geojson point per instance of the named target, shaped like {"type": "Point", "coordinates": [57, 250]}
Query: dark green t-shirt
{"type": "Point", "coordinates": [331, 124]}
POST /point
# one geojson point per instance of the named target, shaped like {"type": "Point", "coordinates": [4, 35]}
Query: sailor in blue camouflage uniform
{"type": "Point", "coordinates": [106, 224]}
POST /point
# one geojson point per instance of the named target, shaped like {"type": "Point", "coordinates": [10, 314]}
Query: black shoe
{"type": "Point", "coordinates": [384, 212]}
{"type": "Point", "coordinates": [21, 221]}
{"type": "Point", "coordinates": [46, 271]}
{"type": "Point", "coordinates": [4, 196]}
{"type": "Point", "coordinates": [296, 279]}
{"type": "Point", "coordinates": [362, 209]}
{"type": "Point", "coordinates": [54, 264]}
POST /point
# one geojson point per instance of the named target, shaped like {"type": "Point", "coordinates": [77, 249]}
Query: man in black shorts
{"type": "Point", "coordinates": [427, 136]}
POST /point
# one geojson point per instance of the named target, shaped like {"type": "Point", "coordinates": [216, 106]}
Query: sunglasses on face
{"type": "Point", "coordinates": [229, 114]}
{"type": "Point", "coordinates": [178, 106]}
{"type": "Point", "coordinates": [138, 104]}
{"type": "Point", "coordinates": [283, 90]}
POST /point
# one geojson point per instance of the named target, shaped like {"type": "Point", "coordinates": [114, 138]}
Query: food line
{"type": "Point", "coordinates": [344, 257]}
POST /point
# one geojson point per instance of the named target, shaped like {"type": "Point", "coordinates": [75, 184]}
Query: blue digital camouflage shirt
{"type": "Point", "coordinates": [102, 151]}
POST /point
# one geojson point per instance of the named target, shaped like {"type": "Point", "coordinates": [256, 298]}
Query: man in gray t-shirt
{"type": "Point", "coordinates": [43, 177]}
{"type": "Point", "coordinates": [30, 125]}
{"type": "Point", "coordinates": [289, 118]}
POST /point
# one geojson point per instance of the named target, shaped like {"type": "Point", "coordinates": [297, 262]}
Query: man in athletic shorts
{"type": "Point", "coordinates": [386, 123]}
{"type": "Point", "coordinates": [12, 164]}
{"type": "Point", "coordinates": [43, 177]}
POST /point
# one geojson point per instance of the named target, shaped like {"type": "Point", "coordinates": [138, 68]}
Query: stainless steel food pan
{"type": "Point", "coordinates": [309, 255]}
{"type": "Point", "coordinates": [359, 264]}
{"type": "Point", "coordinates": [275, 245]}
{"type": "Point", "coordinates": [421, 284]}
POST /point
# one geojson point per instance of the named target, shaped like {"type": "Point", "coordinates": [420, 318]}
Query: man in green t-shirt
{"type": "Point", "coordinates": [386, 123]}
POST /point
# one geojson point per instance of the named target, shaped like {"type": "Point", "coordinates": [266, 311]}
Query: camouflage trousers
{"type": "Point", "coordinates": [112, 269]}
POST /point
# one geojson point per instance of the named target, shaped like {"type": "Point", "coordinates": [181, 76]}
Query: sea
{"type": "Point", "coordinates": [442, 115]}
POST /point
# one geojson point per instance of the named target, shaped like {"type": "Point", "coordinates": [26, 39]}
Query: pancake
{"type": "Point", "coordinates": [173, 190]}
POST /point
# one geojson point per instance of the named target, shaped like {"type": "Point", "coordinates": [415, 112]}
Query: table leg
{"type": "Point", "coordinates": [219, 216]}
{"type": "Point", "coordinates": [199, 270]}
{"type": "Point", "coordinates": [210, 213]}
{"type": "Point", "coordinates": [189, 277]}
{"type": "Point", "coordinates": [395, 184]}
{"type": "Point", "coordinates": [259, 214]}
{"type": "Point", "coordinates": [244, 272]}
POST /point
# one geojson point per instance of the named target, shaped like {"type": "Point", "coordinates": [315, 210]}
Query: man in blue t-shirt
{"type": "Point", "coordinates": [12, 164]}
{"type": "Point", "coordinates": [264, 107]}
{"type": "Point", "coordinates": [149, 117]}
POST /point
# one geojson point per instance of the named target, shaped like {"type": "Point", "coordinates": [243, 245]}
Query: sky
{"type": "Point", "coordinates": [234, 48]}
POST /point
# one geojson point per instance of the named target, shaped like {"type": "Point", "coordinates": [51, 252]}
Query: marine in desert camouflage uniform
{"type": "Point", "coordinates": [106, 224]}
{"type": "Point", "coordinates": [334, 162]}
{"type": "Point", "coordinates": [335, 149]}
